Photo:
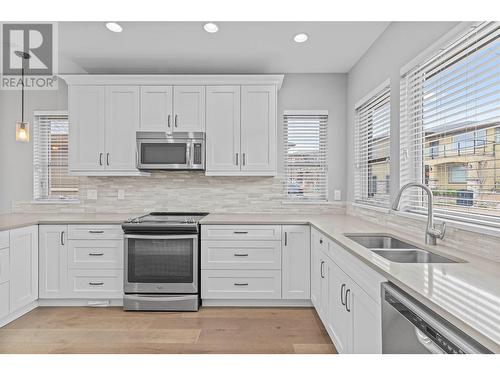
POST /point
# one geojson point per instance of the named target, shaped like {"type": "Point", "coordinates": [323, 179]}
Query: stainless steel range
{"type": "Point", "coordinates": [162, 262]}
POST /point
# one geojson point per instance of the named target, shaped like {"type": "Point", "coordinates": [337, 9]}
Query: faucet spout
{"type": "Point", "coordinates": [431, 232]}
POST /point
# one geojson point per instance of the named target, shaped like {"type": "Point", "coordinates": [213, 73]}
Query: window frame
{"type": "Point", "coordinates": [482, 222]}
{"type": "Point", "coordinates": [367, 199]}
{"type": "Point", "coordinates": [63, 198]}
{"type": "Point", "coordinates": [323, 145]}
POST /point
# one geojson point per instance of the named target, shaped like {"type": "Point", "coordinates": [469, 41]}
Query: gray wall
{"type": "Point", "coordinates": [399, 44]}
{"type": "Point", "coordinates": [299, 91]}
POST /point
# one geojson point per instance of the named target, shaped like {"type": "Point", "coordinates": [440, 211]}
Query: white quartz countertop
{"type": "Point", "coordinates": [466, 294]}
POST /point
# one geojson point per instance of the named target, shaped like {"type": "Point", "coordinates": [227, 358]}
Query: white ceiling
{"type": "Point", "coordinates": [238, 47]}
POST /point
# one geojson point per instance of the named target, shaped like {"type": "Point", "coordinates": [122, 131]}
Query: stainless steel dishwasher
{"type": "Point", "coordinates": [409, 327]}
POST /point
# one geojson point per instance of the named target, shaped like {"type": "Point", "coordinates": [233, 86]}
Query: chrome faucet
{"type": "Point", "coordinates": [431, 232]}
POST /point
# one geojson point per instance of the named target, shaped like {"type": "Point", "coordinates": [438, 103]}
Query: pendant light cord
{"type": "Point", "coordinates": [22, 93]}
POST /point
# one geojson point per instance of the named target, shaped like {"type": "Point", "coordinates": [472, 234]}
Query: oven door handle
{"type": "Point", "coordinates": [164, 237]}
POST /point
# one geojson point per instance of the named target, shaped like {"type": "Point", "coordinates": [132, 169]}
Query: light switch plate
{"type": "Point", "coordinates": [92, 194]}
{"type": "Point", "coordinates": [337, 195]}
{"type": "Point", "coordinates": [121, 194]}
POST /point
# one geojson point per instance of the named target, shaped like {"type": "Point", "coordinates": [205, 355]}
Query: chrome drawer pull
{"type": "Point", "coordinates": [240, 284]}
{"type": "Point", "coordinates": [96, 231]}
{"type": "Point", "coordinates": [240, 232]}
{"type": "Point", "coordinates": [347, 293]}
{"type": "Point", "coordinates": [240, 255]}
{"type": "Point", "coordinates": [96, 284]}
{"type": "Point", "coordinates": [96, 254]}
{"type": "Point", "coordinates": [342, 295]}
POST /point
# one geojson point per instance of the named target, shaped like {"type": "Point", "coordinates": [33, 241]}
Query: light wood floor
{"type": "Point", "coordinates": [210, 330]}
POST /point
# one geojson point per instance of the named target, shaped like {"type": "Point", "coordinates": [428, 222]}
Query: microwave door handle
{"type": "Point", "coordinates": [188, 153]}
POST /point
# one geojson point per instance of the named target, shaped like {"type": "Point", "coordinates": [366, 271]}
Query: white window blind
{"type": "Point", "coordinates": [305, 156]}
{"type": "Point", "coordinates": [372, 149]}
{"type": "Point", "coordinates": [450, 116]}
{"type": "Point", "coordinates": [50, 158]}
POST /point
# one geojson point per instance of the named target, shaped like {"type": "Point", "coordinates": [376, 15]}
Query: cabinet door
{"type": "Point", "coordinates": [367, 322]}
{"type": "Point", "coordinates": [23, 267]}
{"type": "Point", "coordinates": [315, 270]}
{"type": "Point", "coordinates": [258, 129]}
{"type": "Point", "coordinates": [156, 108]}
{"type": "Point", "coordinates": [189, 109]}
{"type": "Point", "coordinates": [296, 266]}
{"type": "Point", "coordinates": [4, 299]}
{"type": "Point", "coordinates": [324, 288]}
{"type": "Point", "coordinates": [86, 128]}
{"type": "Point", "coordinates": [122, 122]}
{"type": "Point", "coordinates": [223, 129]}
{"type": "Point", "coordinates": [339, 322]}
{"type": "Point", "coordinates": [53, 262]}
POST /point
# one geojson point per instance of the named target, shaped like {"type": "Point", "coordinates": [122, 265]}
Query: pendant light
{"type": "Point", "coordinates": [22, 127]}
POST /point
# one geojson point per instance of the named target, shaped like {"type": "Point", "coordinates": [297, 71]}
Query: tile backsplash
{"type": "Point", "coordinates": [181, 191]}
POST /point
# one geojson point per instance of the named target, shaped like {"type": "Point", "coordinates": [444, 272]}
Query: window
{"type": "Point", "coordinates": [50, 158]}
{"type": "Point", "coordinates": [372, 149]}
{"type": "Point", "coordinates": [305, 149]}
{"type": "Point", "coordinates": [450, 113]}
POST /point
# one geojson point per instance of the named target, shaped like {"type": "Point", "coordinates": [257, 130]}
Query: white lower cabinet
{"type": "Point", "coordinates": [4, 299]}
{"type": "Point", "coordinates": [23, 267]}
{"type": "Point", "coordinates": [81, 261]}
{"type": "Point", "coordinates": [351, 316]}
{"type": "Point", "coordinates": [241, 284]}
{"type": "Point", "coordinates": [296, 258]}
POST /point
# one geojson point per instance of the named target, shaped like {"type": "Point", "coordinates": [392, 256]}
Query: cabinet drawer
{"type": "Point", "coordinates": [96, 283]}
{"type": "Point", "coordinates": [4, 239]}
{"type": "Point", "coordinates": [241, 232]}
{"type": "Point", "coordinates": [93, 232]}
{"type": "Point", "coordinates": [4, 266]}
{"type": "Point", "coordinates": [95, 254]}
{"type": "Point", "coordinates": [244, 284]}
{"type": "Point", "coordinates": [234, 255]}
{"type": "Point", "coordinates": [4, 299]}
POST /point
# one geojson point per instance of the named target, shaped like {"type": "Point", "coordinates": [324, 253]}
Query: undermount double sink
{"type": "Point", "coordinates": [396, 250]}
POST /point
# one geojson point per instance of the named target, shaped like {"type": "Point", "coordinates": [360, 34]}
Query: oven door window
{"type": "Point", "coordinates": [161, 261]}
{"type": "Point", "coordinates": [163, 153]}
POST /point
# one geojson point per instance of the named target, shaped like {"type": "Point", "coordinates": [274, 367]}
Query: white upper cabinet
{"type": "Point", "coordinates": [23, 267]}
{"type": "Point", "coordinates": [223, 129]}
{"type": "Point", "coordinates": [258, 129]}
{"type": "Point", "coordinates": [156, 108]}
{"type": "Point", "coordinates": [296, 258]}
{"type": "Point", "coordinates": [189, 109]}
{"type": "Point", "coordinates": [122, 122]}
{"type": "Point", "coordinates": [86, 130]}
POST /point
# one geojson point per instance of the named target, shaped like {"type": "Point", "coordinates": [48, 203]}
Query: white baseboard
{"type": "Point", "coordinates": [97, 302]}
{"type": "Point", "coordinates": [18, 313]}
{"type": "Point", "coordinates": [258, 302]}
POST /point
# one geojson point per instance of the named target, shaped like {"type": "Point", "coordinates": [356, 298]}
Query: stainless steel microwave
{"type": "Point", "coordinates": [159, 150]}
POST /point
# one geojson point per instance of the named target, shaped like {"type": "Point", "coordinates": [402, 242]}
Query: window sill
{"type": "Point", "coordinates": [55, 201]}
{"type": "Point", "coordinates": [372, 207]}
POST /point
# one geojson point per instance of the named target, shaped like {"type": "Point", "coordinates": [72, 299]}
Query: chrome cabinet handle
{"type": "Point", "coordinates": [62, 238]}
{"type": "Point", "coordinates": [342, 295]}
{"type": "Point", "coordinates": [96, 254]}
{"type": "Point", "coordinates": [96, 231]}
{"type": "Point", "coordinates": [244, 159]}
{"type": "Point", "coordinates": [240, 255]}
{"type": "Point", "coordinates": [168, 121]}
{"type": "Point", "coordinates": [240, 232]}
{"type": "Point", "coordinates": [175, 121]}
{"type": "Point", "coordinates": [107, 159]}
{"type": "Point", "coordinates": [96, 284]}
{"type": "Point", "coordinates": [286, 239]}
{"type": "Point", "coordinates": [100, 158]}
{"type": "Point", "coordinates": [240, 284]}
{"type": "Point", "coordinates": [236, 158]}
{"type": "Point", "coordinates": [348, 292]}
{"type": "Point", "coordinates": [321, 269]}
{"type": "Point", "coordinates": [320, 241]}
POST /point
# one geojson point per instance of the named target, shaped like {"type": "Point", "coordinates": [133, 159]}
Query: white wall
{"type": "Point", "coordinates": [299, 91]}
{"type": "Point", "coordinates": [400, 43]}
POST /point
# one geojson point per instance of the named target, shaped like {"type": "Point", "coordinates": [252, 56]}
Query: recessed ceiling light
{"type": "Point", "coordinates": [114, 27]}
{"type": "Point", "coordinates": [211, 27]}
{"type": "Point", "coordinates": [301, 38]}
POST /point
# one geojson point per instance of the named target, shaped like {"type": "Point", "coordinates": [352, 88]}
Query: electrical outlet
{"type": "Point", "coordinates": [121, 194]}
{"type": "Point", "coordinates": [337, 195]}
{"type": "Point", "coordinates": [92, 194]}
